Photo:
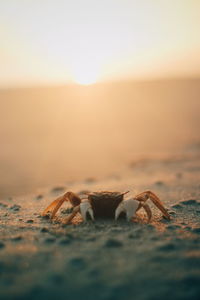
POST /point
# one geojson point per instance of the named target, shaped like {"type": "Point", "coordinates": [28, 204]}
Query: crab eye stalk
{"type": "Point", "coordinates": [125, 193]}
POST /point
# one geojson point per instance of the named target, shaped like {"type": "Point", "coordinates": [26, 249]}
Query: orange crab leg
{"type": "Point", "coordinates": [56, 204]}
{"type": "Point", "coordinates": [146, 208]}
{"type": "Point", "coordinates": [148, 211]}
{"type": "Point", "coordinates": [69, 218]}
{"type": "Point", "coordinates": [143, 197]}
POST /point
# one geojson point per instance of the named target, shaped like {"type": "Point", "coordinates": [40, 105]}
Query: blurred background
{"type": "Point", "coordinates": [88, 86]}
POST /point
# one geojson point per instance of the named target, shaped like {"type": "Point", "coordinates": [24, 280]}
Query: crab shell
{"type": "Point", "coordinates": [104, 204]}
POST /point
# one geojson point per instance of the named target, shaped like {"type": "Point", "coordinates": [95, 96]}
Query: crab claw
{"type": "Point", "coordinates": [85, 208]}
{"type": "Point", "coordinates": [128, 207]}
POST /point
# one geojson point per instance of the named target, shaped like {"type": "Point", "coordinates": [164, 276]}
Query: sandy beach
{"type": "Point", "coordinates": [107, 259]}
{"type": "Point", "coordinates": [102, 260]}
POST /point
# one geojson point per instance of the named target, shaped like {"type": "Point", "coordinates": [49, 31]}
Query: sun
{"type": "Point", "coordinates": [85, 76]}
{"type": "Point", "coordinates": [85, 80]}
{"type": "Point", "coordinates": [85, 70]}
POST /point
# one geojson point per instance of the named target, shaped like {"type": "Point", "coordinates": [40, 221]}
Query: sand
{"type": "Point", "coordinates": [107, 260]}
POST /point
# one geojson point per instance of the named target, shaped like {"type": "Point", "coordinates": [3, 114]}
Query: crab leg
{"type": "Point", "coordinates": [143, 197]}
{"type": "Point", "coordinates": [69, 218]}
{"type": "Point", "coordinates": [146, 208]}
{"type": "Point", "coordinates": [56, 204]}
{"type": "Point", "coordinates": [148, 211]}
{"type": "Point", "coordinates": [83, 209]}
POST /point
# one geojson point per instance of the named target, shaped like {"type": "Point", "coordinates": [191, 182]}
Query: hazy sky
{"type": "Point", "coordinates": [44, 41]}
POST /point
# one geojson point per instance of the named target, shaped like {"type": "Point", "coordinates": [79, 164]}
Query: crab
{"type": "Point", "coordinates": [105, 204]}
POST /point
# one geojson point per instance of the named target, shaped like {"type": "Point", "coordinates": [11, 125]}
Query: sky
{"type": "Point", "coordinates": [61, 41]}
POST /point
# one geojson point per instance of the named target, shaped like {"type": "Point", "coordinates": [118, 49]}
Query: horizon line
{"type": "Point", "coordinates": [66, 84]}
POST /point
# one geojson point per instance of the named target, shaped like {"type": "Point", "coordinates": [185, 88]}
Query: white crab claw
{"type": "Point", "coordinates": [129, 207]}
{"type": "Point", "coordinates": [85, 208]}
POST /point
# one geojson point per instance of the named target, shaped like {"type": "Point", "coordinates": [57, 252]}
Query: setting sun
{"type": "Point", "coordinates": [85, 81]}
{"type": "Point", "coordinates": [85, 77]}
{"type": "Point", "coordinates": [85, 67]}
